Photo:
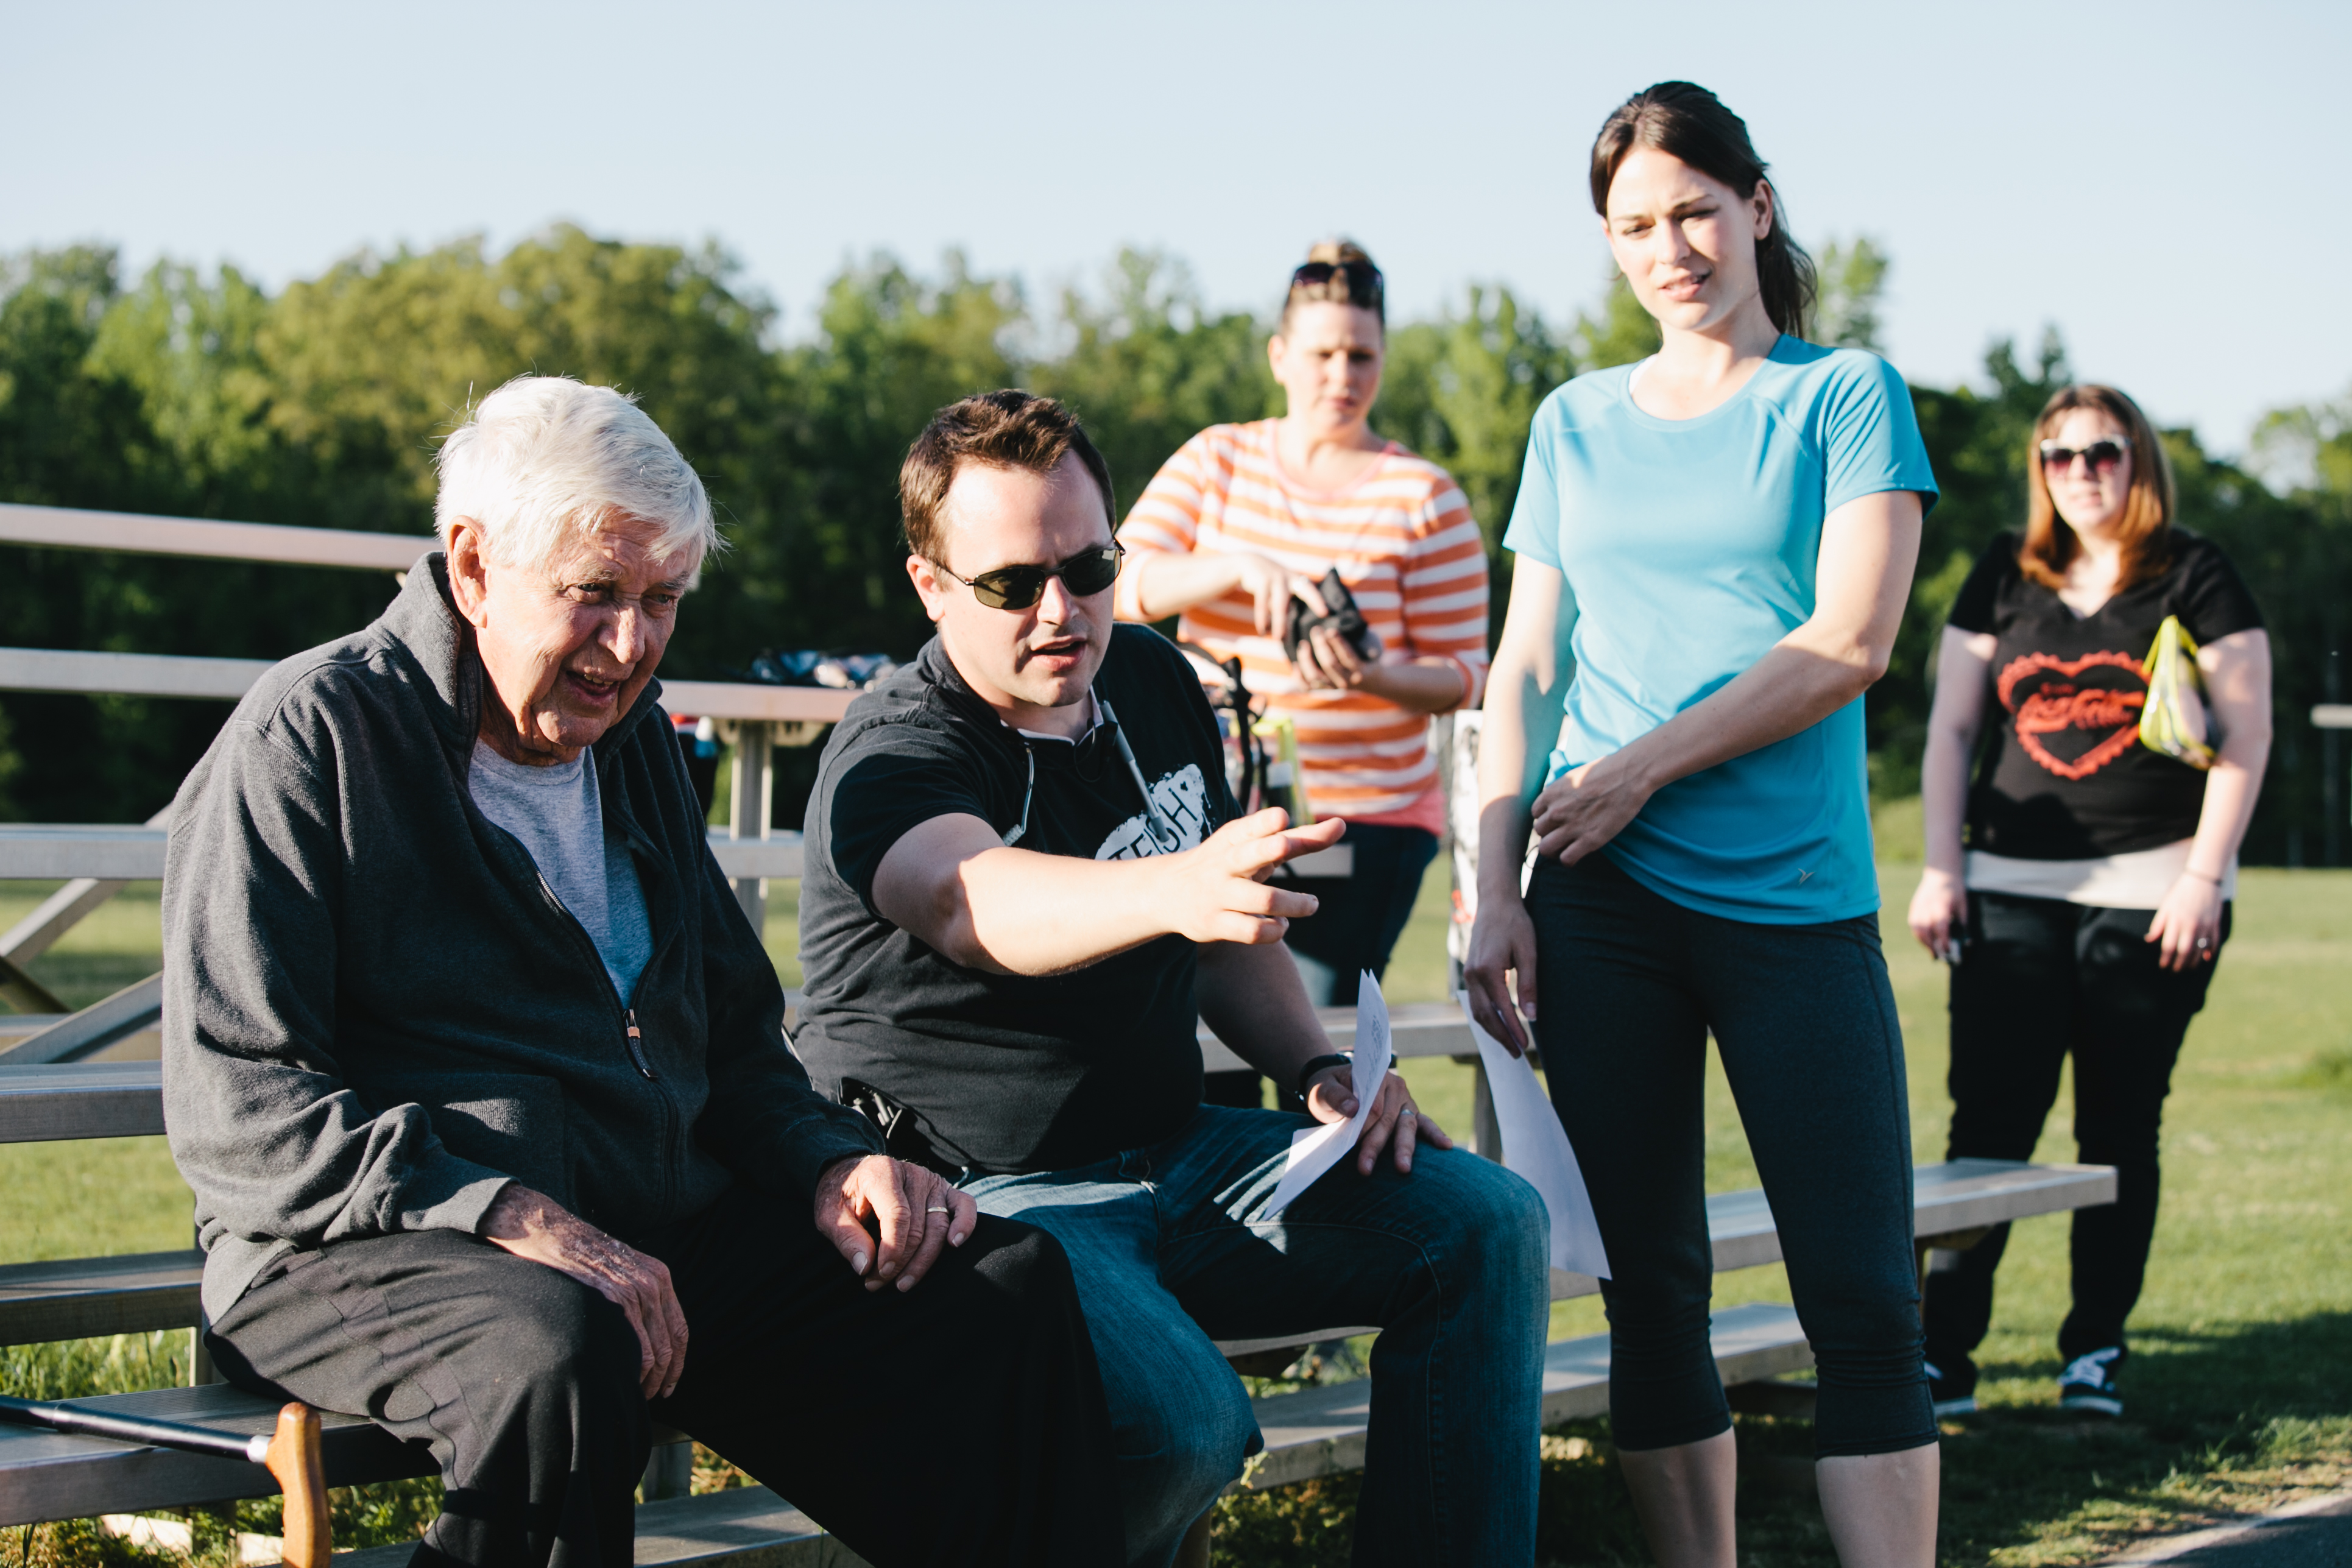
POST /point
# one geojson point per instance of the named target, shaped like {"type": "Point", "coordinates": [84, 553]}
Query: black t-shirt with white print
{"type": "Point", "coordinates": [1008, 1072]}
{"type": "Point", "coordinates": [2064, 775]}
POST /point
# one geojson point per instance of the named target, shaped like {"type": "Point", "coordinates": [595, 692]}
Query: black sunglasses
{"type": "Point", "coordinates": [1086, 574]}
{"type": "Point", "coordinates": [2103, 454]}
{"type": "Point", "coordinates": [1363, 279]}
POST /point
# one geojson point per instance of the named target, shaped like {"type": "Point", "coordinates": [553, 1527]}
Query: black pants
{"type": "Point", "coordinates": [1363, 915]}
{"type": "Point", "coordinates": [2040, 978]}
{"type": "Point", "coordinates": [1631, 983]}
{"type": "Point", "coordinates": [961, 1422]}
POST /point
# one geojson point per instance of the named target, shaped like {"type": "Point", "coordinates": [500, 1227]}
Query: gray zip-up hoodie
{"type": "Point", "coordinates": [375, 1013]}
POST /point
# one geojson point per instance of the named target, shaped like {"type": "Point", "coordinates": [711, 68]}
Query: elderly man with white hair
{"type": "Point", "coordinates": [480, 1076]}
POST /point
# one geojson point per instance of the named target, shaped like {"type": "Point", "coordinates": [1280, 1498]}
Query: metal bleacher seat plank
{"type": "Point", "coordinates": [31, 850]}
{"type": "Point", "coordinates": [1961, 1194]}
{"type": "Point", "coordinates": [121, 1099]}
{"type": "Point", "coordinates": [1958, 1194]}
{"type": "Point", "coordinates": [1416, 1029]}
{"type": "Point", "coordinates": [1322, 1430]}
{"type": "Point", "coordinates": [157, 1290]}
{"type": "Point", "coordinates": [1317, 1432]}
{"type": "Point", "coordinates": [73, 529]}
{"type": "Point", "coordinates": [82, 1100]}
{"type": "Point", "coordinates": [741, 700]}
{"type": "Point", "coordinates": [58, 851]}
{"type": "Point", "coordinates": [775, 857]}
{"type": "Point", "coordinates": [227, 680]}
{"type": "Point", "coordinates": [80, 1297]}
{"type": "Point", "coordinates": [128, 674]}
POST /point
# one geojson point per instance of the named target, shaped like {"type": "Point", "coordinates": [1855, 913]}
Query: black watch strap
{"type": "Point", "coordinates": [1320, 1064]}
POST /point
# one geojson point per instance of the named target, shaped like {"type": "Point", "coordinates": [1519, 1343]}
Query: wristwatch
{"type": "Point", "coordinates": [1320, 1064]}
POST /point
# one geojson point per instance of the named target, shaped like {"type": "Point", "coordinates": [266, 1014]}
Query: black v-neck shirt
{"type": "Point", "coordinates": [2062, 774]}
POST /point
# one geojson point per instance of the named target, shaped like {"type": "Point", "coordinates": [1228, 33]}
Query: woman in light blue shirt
{"type": "Point", "coordinates": [1715, 549]}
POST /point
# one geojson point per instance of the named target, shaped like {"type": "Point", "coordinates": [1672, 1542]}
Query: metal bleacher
{"type": "Point", "coordinates": [59, 1081]}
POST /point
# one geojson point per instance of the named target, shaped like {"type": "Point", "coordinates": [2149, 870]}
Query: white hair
{"type": "Point", "coordinates": [546, 459]}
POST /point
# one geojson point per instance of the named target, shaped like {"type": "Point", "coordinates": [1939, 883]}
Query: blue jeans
{"type": "Point", "coordinates": [1169, 1254]}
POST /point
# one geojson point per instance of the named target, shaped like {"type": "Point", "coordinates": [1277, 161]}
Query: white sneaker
{"type": "Point", "coordinates": [2089, 1383]}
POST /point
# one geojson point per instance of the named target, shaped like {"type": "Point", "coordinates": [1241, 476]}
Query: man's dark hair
{"type": "Point", "coordinates": [1008, 429]}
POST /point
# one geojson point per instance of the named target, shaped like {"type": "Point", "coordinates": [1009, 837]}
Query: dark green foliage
{"type": "Point", "coordinates": [1462, 391]}
{"type": "Point", "coordinates": [1852, 277]}
{"type": "Point", "coordinates": [1620, 334]}
{"type": "Point", "coordinates": [1149, 366]}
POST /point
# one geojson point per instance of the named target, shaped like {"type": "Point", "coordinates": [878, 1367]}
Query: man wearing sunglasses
{"type": "Point", "coordinates": [1027, 883]}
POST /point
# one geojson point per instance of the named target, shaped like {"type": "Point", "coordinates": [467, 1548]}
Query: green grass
{"type": "Point", "coordinates": [2240, 1384]}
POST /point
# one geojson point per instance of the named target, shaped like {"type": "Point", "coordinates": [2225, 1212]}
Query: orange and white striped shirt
{"type": "Point", "coordinates": [1406, 545]}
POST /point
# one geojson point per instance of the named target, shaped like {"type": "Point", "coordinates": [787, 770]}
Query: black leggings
{"type": "Point", "coordinates": [2038, 979]}
{"type": "Point", "coordinates": [1630, 985]}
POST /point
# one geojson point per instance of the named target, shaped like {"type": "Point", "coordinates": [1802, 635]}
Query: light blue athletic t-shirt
{"type": "Point", "coordinates": [1691, 547]}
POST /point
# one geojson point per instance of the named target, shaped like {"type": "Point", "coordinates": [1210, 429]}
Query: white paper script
{"type": "Point", "coordinates": [1318, 1149]}
{"type": "Point", "coordinates": [1536, 1149]}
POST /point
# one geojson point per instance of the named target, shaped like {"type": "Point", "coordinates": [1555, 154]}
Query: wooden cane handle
{"type": "Point", "coordinates": [294, 1458]}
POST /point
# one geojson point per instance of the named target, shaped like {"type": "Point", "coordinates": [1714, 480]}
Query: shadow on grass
{"type": "Point", "coordinates": [2214, 1421]}
{"type": "Point", "coordinates": [2217, 1422]}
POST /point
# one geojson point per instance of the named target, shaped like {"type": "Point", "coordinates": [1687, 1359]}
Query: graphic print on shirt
{"type": "Point", "coordinates": [1183, 799]}
{"type": "Point", "coordinates": [2074, 716]}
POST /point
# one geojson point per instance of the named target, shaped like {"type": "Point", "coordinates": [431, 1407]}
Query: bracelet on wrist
{"type": "Point", "coordinates": [1319, 1064]}
{"type": "Point", "coordinates": [2192, 871]}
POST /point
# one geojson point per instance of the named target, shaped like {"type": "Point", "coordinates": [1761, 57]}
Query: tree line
{"type": "Point", "coordinates": [186, 394]}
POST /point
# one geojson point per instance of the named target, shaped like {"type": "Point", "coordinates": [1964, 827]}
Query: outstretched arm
{"type": "Point", "coordinates": [954, 883]}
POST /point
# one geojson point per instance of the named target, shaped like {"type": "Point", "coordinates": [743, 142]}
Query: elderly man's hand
{"type": "Point", "coordinates": [915, 1211]}
{"type": "Point", "coordinates": [531, 1225]}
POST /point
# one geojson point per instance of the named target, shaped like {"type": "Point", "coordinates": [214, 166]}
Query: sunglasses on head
{"type": "Point", "coordinates": [1088, 573]}
{"type": "Point", "coordinates": [1363, 278]}
{"type": "Point", "coordinates": [2102, 455]}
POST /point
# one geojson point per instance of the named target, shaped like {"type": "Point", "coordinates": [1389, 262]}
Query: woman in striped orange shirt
{"type": "Point", "coordinates": [1244, 517]}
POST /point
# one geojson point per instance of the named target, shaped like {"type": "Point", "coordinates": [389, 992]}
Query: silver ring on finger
{"type": "Point", "coordinates": [2201, 945]}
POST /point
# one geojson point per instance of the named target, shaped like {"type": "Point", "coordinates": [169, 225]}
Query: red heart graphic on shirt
{"type": "Point", "coordinates": [2054, 704]}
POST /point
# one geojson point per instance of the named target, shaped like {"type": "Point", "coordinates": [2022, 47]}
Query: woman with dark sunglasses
{"type": "Point", "coordinates": [1719, 542]}
{"type": "Point", "coordinates": [1245, 517]}
{"type": "Point", "coordinates": [2092, 897]}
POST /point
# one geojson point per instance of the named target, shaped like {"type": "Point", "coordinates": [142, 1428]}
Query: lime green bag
{"type": "Point", "coordinates": [2174, 719]}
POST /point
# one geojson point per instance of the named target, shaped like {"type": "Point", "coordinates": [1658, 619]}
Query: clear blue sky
{"type": "Point", "coordinates": [2165, 182]}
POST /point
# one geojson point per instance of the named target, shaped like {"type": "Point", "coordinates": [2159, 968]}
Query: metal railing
{"type": "Point", "coordinates": [97, 861]}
